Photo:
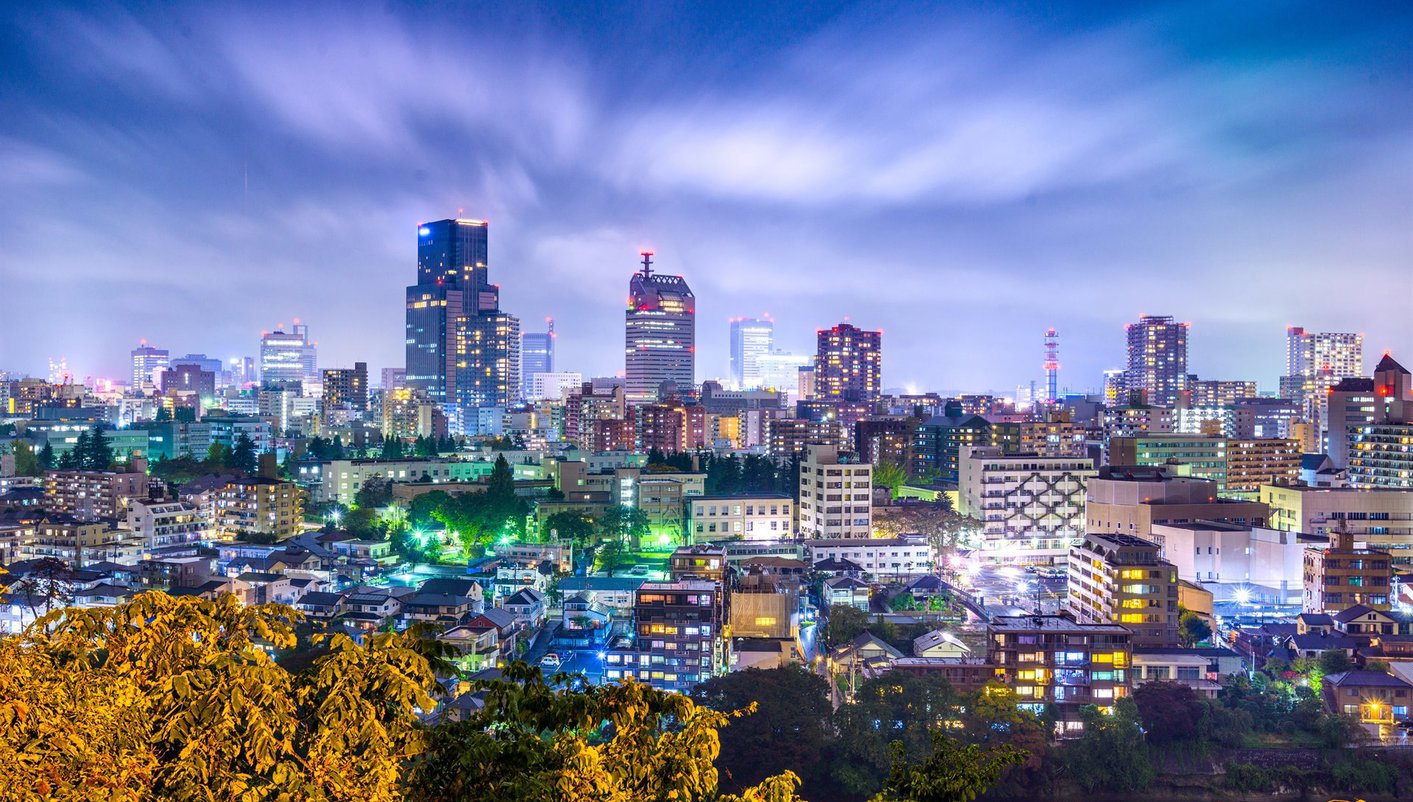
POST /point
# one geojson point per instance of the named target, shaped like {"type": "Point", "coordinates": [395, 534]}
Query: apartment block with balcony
{"type": "Point", "coordinates": [678, 637]}
{"type": "Point", "coordinates": [1031, 506]}
{"type": "Point", "coordinates": [159, 524]}
{"type": "Point", "coordinates": [1120, 579]}
{"type": "Point", "coordinates": [1265, 461]}
{"type": "Point", "coordinates": [267, 506]}
{"type": "Point", "coordinates": [836, 494]}
{"type": "Point", "coordinates": [93, 494]}
{"type": "Point", "coordinates": [1053, 661]}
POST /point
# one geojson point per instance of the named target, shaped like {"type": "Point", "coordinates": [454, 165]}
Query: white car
{"type": "Point", "coordinates": [551, 661]}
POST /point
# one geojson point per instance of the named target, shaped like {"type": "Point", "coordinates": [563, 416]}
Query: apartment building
{"type": "Point", "coordinates": [1339, 576]}
{"type": "Point", "coordinates": [1377, 517]}
{"type": "Point", "coordinates": [1053, 661]}
{"type": "Point", "coordinates": [267, 506]}
{"type": "Point", "coordinates": [836, 494]}
{"type": "Point", "coordinates": [1121, 579]}
{"type": "Point", "coordinates": [93, 494]}
{"type": "Point", "coordinates": [757, 517]}
{"type": "Point", "coordinates": [1031, 506]}
{"type": "Point", "coordinates": [679, 639]}
{"type": "Point", "coordinates": [892, 557]}
{"type": "Point", "coordinates": [159, 524]}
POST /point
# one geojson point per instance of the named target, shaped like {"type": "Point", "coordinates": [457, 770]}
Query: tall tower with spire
{"type": "Point", "coordinates": [1052, 366]}
{"type": "Point", "coordinates": [660, 334]}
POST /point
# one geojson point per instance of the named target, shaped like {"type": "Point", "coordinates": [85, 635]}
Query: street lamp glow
{"type": "Point", "coordinates": [1243, 596]}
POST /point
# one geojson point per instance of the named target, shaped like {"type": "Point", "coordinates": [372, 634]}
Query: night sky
{"type": "Point", "coordinates": [963, 179]}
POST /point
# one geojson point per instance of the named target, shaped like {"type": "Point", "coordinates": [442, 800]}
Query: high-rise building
{"type": "Point", "coordinates": [287, 357]}
{"type": "Point", "coordinates": [463, 351]}
{"type": "Point", "coordinates": [1317, 361]}
{"type": "Point", "coordinates": [1157, 360]}
{"type": "Point", "coordinates": [848, 364]}
{"type": "Point", "coordinates": [836, 494]}
{"type": "Point", "coordinates": [1122, 579]}
{"type": "Point", "coordinates": [451, 273]}
{"type": "Point", "coordinates": [660, 332]}
{"type": "Point", "coordinates": [536, 355]}
{"type": "Point", "coordinates": [147, 362]}
{"type": "Point", "coordinates": [1052, 366]}
{"type": "Point", "coordinates": [751, 338]}
{"type": "Point", "coordinates": [781, 371]}
{"type": "Point", "coordinates": [189, 378]}
{"type": "Point", "coordinates": [347, 386]}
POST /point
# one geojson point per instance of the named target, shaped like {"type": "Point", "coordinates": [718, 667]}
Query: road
{"type": "Point", "coordinates": [1014, 587]}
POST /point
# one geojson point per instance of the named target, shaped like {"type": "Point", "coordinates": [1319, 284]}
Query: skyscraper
{"type": "Point", "coordinates": [347, 386]}
{"type": "Point", "coordinates": [660, 333]}
{"type": "Point", "coordinates": [536, 355]}
{"type": "Point", "coordinates": [1317, 361]}
{"type": "Point", "coordinates": [462, 350]}
{"type": "Point", "coordinates": [1157, 360]}
{"type": "Point", "coordinates": [751, 339]}
{"type": "Point", "coordinates": [287, 357]}
{"type": "Point", "coordinates": [451, 271]}
{"type": "Point", "coordinates": [146, 362]}
{"type": "Point", "coordinates": [848, 364]}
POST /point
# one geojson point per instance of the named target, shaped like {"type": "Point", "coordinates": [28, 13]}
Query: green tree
{"type": "Point", "coordinates": [98, 454]}
{"type": "Point", "coordinates": [1193, 628]}
{"type": "Point", "coordinates": [845, 624]}
{"type": "Point", "coordinates": [610, 557]}
{"type": "Point", "coordinates": [903, 602]}
{"type": "Point", "coordinates": [1334, 661]}
{"type": "Point", "coordinates": [46, 458]}
{"type": "Point", "coordinates": [891, 475]}
{"type": "Point", "coordinates": [243, 456]}
{"type": "Point", "coordinates": [26, 462]}
{"type": "Point", "coordinates": [391, 449]}
{"type": "Point", "coordinates": [951, 773]}
{"type": "Point", "coordinates": [218, 457]}
{"type": "Point", "coordinates": [623, 523]}
{"type": "Point", "coordinates": [501, 484]}
{"type": "Point", "coordinates": [1171, 711]}
{"type": "Point", "coordinates": [375, 492]}
{"type": "Point", "coordinates": [790, 727]}
{"type": "Point", "coordinates": [69, 460]}
{"type": "Point", "coordinates": [899, 707]}
{"type": "Point", "coordinates": [569, 525]}
{"type": "Point", "coordinates": [1111, 756]}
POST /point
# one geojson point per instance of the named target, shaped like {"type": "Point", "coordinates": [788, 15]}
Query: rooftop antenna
{"type": "Point", "coordinates": [647, 262]}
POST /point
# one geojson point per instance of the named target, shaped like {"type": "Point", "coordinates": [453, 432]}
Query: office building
{"type": "Point", "coordinates": [1263, 461]}
{"type": "Point", "coordinates": [1130, 500]}
{"type": "Point", "coordinates": [1157, 360]}
{"type": "Point", "coordinates": [487, 360]}
{"type": "Point", "coordinates": [1218, 393]}
{"type": "Point", "coordinates": [188, 379]}
{"type": "Point", "coordinates": [1121, 579]}
{"type": "Point", "coordinates": [1236, 562]}
{"type": "Point", "coordinates": [287, 357]}
{"type": "Point", "coordinates": [848, 365]}
{"type": "Point", "coordinates": [1378, 518]}
{"type": "Point", "coordinates": [1053, 662]}
{"type": "Point", "coordinates": [751, 339]}
{"type": "Point", "coordinates": [536, 357]}
{"type": "Point", "coordinates": [781, 371]}
{"type": "Point", "coordinates": [392, 378]}
{"type": "Point", "coordinates": [836, 494]}
{"type": "Point", "coordinates": [147, 363]}
{"type": "Point", "coordinates": [754, 517]}
{"type": "Point", "coordinates": [660, 332]}
{"type": "Point", "coordinates": [1339, 576]}
{"type": "Point", "coordinates": [1203, 457]}
{"type": "Point", "coordinates": [1031, 507]}
{"type": "Point", "coordinates": [553, 386]}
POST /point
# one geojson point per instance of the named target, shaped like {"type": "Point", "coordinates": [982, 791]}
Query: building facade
{"type": "Point", "coordinates": [836, 494]}
{"type": "Point", "coordinates": [848, 364]}
{"type": "Point", "coordinates": [660, 334]}
{"type": "Point", "coordinates": [1031, 506]}
{"type": "Point", "coordinates": [1157, 360]}
{"type": "Point", "coordinates": [1121, 579]}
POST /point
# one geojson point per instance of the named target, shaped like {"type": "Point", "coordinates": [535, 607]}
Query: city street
{"type": "Point", "coordinates": [997, 587]}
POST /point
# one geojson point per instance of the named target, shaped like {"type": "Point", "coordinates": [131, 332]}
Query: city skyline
{"type": "Point", "coordinates": [1278, 163]}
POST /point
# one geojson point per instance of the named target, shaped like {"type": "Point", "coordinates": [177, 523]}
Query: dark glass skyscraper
{"type": "Point", "coordinates": [462, 350]}
{"type": "Point", "coordinates": [660, 334]}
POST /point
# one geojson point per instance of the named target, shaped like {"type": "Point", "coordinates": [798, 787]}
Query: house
{"type": "Point", "coordinates": [617, 594]}
{"type": "Point", "coordinates": [1314, 623]}
{"type": "Point", "coordinates": [847, 591]}
{"type": "Point", "coordinates": [437, 608]}
{"type": "Point", "coordinates": [584, 622]}
{"type": "Point", "coordinates": [939, 643]}
{"type": "Point", "coordinates": [926, 587]}
{"type": "Point", "coordinates": [1374, 696]}
{"type": "Point", "coordinates": [865, 649]}
{"type": "Point", "coordinates": [103, 594]}
{"type": "Point", "coordinates": [528, 607]}
{"type": "Point", "coordinates": [504, 623]}
{"type": "Point", "coordinates": [1200, 669]}
{"type": "Point", "coordinates": [1310, 646]}
{"type": "Point", "coordinates": [319, 606]}
{"type": "Point", "coordinates": [1361, 621]}
{"type": "Point", "coordinates": [836, 566]}
{"type": "Point", "coordinates": [477, 645]}
{"type": "Point", "coordinates": [371, 608]}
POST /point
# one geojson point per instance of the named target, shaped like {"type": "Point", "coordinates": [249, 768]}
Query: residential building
{"type": "Point", "coordinates": [257, 504]}
{"type": "Point", "coordinates": [1375, 697]}
{"type": "Point", "coordinates": [836, 499]}
{"type": "Point", "coordinates": [788, 437]}
{"type": "Point", "coordinates": [848, 364]}
{"type": "Point", "coordinates": [1382, 456]}
{"type": "Point", "coordinates": [1317, 361]}
{"type": "Point", "coordinates": [408, 413]}
{"type": "Point", "coordinates": [880, 557]}
{"type": "Point", "coordinates": [1053, 661]}
{"type": "Point", "coordinates": [288, 357]}
{"type": "Point", "coordinates": [1264, 461]}
{"type": "Point", "coordinates": [159, 524]}
{"type": "Point", "coordinates": [347, 387]}
{"type": "Point", "coordinates": [678, 636]}
{"type": "Point", "coordinates": [1031, 507]}
{"type": "Point", "coordinates": [660, 330]}
{"type": "Point", "coordinates": [1339, 576]}
{"type": "Point", "coordinates": [1121, 579]}
{"type": "Point", "coordinates": [81, 543]}
{"type": "Point", "coordinates": [1157, 360]}
{"type": "Point", "coordinates": [1218, 393]}
{"type": "Point", "coordinates": [93, 494]}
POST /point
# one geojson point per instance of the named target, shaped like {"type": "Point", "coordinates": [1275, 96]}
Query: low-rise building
{"type": "Point", "coordinates": [1339, 575]}
{"type": "Point", "coordinates": [882, 557]}
{"type": "Point", "coordinates": [836, 499]}
{"type": "Point", "coordinates": [757, 517]}
{"type": "Point", "coordinates": [159, 524]}
{"type": "Point", "coordinates": [1377, 517]}
{"type": "Point", "coordinates": [678, 639]}
{"type": "Point", "coordinates": [1375, 697]}
{"type": "Point", "coordinates": [847, 591]}
{"type": "Point", "coordinates": [1053, 661]}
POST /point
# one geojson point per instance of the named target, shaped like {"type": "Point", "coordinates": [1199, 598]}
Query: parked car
{"type": "Point", "coordinates": [551, 661]}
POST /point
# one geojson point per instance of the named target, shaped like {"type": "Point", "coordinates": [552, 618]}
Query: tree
{"type": "Point", "coordinates": [98, 454]}
{"type": "Point", "coordinates": [1377, 665]}
{"type": "Point", "coordinates": [951, 773]}
{"type": "Point", "coordinates": [26, 462]}
{"type": "Point", "coordinates": [218, 457]}
{"type": "Point", "coordinates": [1111, 756]}
{"type": "Point", "coordinates": [568, 525]}
{"type": "Point", "coordinates": [501, 484]}
{"type": "Point", "coordinates": [790, 727]}
{"type": "Point", "coordinates": [243, 457]}
{"type": "Point", "coordinates": [46, 457]}
{"type": "Point", "coordinates": [845, 623]}
{"type": "Point", "coordinates": [375, 492]}
{"type": "Point", "coordinates": [422, 510]}
{"type": "Point", "coordinates": [902, 708]}
{"type": "Point", "coordinates": [903, 602]}
{"type": "Point", "coordinates": [624, 523]}
{"type": "Point", "coordinates": [391, 449]}
{"type": "Point", "coordinates": [610, 557]}
{"type": "Point", "coordinates": [1193, 628]}
{"type": "Point", "coordinates": [1170, 711]}
{"type": "Point", "coordinates": [1334, 661]}
{"type": "Point", "coordinates": [69, 460]}
{"type": "Point", "coordinates": [891, 475]}
{"type": "Point", "coordinates": [936, 520]}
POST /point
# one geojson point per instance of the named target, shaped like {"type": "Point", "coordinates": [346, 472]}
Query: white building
{"type": "Point", "coordinates": [553, 386]}
{"type": "Point", "coordinates": [762, 517]}
{"type": "Point", "coordinates": [1237, 562]}
{"type": "Point", "coordinates": [1031, 507]}
{"type": "Point", "coordinates": [836, 494]}
{"type": "Point", "coordinates": [884, 557]}
{"type": "Point", "coordinates": [165, 523]}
